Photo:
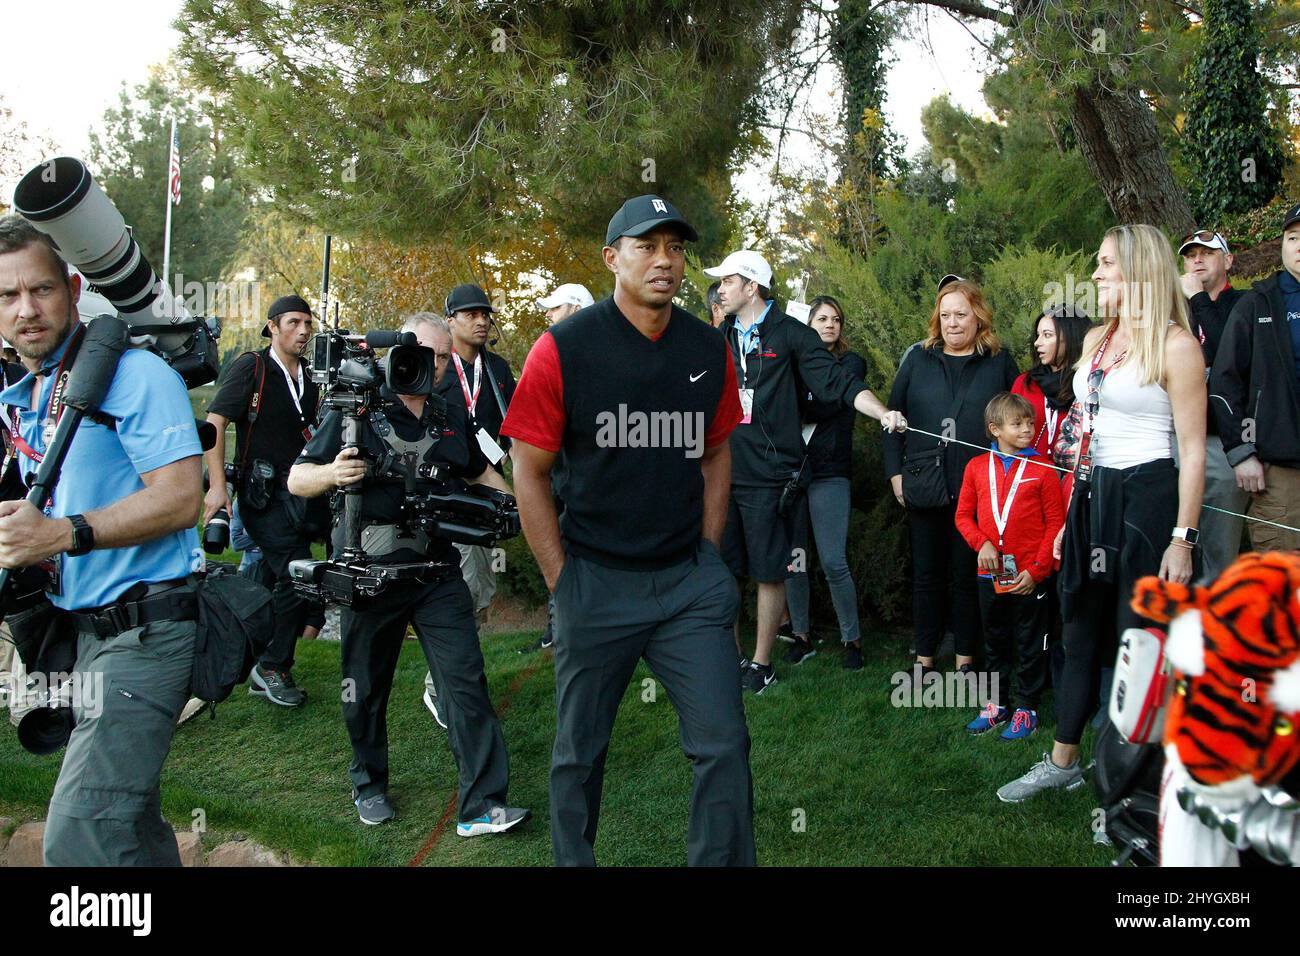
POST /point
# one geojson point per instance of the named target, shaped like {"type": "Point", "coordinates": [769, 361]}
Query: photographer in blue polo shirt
{"type": "Point", "coordinates": [118, 535]}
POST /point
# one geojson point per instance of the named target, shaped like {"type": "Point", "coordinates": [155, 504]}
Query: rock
{"type": "Point", "coordinates": [190, 845]}
{"type": "Point", "coordinates": [244, 853]}
{"type": "Point", "coordinates": [26, 845]}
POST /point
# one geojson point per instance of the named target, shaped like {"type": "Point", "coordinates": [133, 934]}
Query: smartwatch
{"type": "Point", "coordinates": [1190, 535]}
{"type": "Point", "coordinates": [83, 536]}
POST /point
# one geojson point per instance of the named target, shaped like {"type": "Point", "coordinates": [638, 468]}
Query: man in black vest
{"type": "Point", "coordinates": [777, 355]}
{"type": "Point", "coordinates": [270, 397]}
{"type": "Point", "coordinates": [639, 396]}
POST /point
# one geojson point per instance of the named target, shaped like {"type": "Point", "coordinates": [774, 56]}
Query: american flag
{"type": "Point", "coordinates": [174, 167]}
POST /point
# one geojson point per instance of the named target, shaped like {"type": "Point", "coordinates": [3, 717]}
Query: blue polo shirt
{"type": "Point", "coordinates": [155, 427]}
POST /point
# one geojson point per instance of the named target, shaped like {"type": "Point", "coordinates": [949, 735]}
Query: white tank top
{"type": "Point", "coordinates": [1135, 422]}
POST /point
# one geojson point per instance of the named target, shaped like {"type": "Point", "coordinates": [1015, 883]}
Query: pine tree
{"type": "Point", "coordinates": [1234, 154]}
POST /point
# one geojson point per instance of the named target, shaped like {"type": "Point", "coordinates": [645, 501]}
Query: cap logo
{"type": "Point", "coordinates": [659, 206]}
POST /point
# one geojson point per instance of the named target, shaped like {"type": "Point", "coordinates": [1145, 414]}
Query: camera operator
{"type": "Point", "coordinates": [480, 381]}
{"type": "Point", "coordinates": [271, 398]}
{"type": "Point", "coordinates": [438, 604]}
{"type": "Point", "coordinates": [120, 531]}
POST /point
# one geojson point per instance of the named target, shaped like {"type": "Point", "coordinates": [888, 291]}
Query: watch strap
{"type": "Point", "coordinates": [83, 536]}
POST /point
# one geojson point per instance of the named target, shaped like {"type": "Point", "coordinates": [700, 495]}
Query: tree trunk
{"type": "Point", "coordinates": [1118, 138]}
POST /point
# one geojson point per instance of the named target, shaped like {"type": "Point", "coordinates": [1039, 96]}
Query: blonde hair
{"type": "Point", "coordinates": [1152, 297]}
{"type": "Point", "coordinates": [986, 340]}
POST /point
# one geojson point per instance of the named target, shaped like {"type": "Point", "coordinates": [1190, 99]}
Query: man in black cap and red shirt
{"type": "Point", "coordinates": [270, 397]}
{"type": "Point", "coordinates": [640, 397]}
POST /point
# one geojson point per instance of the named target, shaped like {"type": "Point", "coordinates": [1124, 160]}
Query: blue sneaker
{"type": "Point", "coordinates": [989, 718]}
{"type": "Point", "coordinates": [1023, 723]}
{"type": "Point", "coordinates": [499, 820]}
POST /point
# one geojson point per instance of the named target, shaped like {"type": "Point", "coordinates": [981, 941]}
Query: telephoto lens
{"type": "Point", "coordinates": [216, 536]}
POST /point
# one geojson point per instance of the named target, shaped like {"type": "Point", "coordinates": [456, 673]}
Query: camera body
{"type": "Point", "coordinates": [345, 362]}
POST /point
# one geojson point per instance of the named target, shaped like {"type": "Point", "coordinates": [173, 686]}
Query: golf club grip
{"type": "Point", "coordinates": [92, 373]}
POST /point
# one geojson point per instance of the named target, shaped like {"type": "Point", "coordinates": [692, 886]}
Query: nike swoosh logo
{"type": "Point", "coordinates": [696, 378]}
{"type": "Point", "coordinates": [1041, 596]}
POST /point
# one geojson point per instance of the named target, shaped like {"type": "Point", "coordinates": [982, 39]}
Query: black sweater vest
{"type": "Point", "coordinates": [637, 412]}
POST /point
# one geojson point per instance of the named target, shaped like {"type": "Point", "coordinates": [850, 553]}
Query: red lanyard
{"type": "Point", "coordinates": [470, 400]}
{"type": "Point", "coordinates": [54, 408]}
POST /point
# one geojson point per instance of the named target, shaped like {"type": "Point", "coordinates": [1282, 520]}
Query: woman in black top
{"type": "Point", "coordinates": [825, 505]}
{"type": "Point", "coordinates": [942, 386]}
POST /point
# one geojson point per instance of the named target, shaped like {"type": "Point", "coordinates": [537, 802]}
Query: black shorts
{"type": "Point", "coordinates": [756, 541]}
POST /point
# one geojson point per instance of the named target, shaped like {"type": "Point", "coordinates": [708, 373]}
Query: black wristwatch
{"type": "Point", "coordinates": [83, 536]}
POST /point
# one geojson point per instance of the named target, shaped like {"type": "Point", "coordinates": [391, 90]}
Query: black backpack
{"type": "Point", "coordinates": [235, 626]}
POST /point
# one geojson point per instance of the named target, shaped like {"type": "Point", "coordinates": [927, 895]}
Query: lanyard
{"type": "Point", "coordinates": [471, 400]}
{"type": "Point", "coordinates": [1000, 516]}
{"type": "Point", "coordinates": [294, 393]}
{"type": "Point", "coordinates": [54, 408]}
{"type": "Point", "coordinates": [1096, 361]}
{"type": "Point", "coordinates": [1050, 416]}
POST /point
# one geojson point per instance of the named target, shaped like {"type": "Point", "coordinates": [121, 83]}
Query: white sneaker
{"type": "Point", "coordinates": [432, 704]}
{"type": "Point", "coordinates": [1043, 775]}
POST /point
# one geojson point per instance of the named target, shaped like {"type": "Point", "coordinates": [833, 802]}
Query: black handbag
{"type": "Point", "coordinates": [925, 481]}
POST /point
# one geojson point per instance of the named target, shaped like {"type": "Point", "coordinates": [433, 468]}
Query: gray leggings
{"type": "Point", "coordinates": [826, 509]}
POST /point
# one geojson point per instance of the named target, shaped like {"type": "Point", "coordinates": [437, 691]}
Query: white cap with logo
{"type": "Point", "coordinates": [747, 264]}
{"type": "Point", "coordinates": [571, 293]}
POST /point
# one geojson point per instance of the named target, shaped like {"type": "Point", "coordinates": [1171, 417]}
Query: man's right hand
{"type": "Point", "coordinates": [552, 582]}
{"type": "Point", "coordinates": [215, 500]}
{"type": "Point", "coordinates": [347, 468]}
{"type": "Point", "coordinates": [1250, 475]}
{"type": "Point", "coordinates": [896, 483]}
{"type": "Point", "coordinates": [1191, 284]}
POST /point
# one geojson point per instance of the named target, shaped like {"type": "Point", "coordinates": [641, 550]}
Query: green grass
{"type": "Point", "coordinates": [877, 785]}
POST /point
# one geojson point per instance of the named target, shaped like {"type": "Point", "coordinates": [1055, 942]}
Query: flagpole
{"type": "Point", "coordinates": [167, 228]}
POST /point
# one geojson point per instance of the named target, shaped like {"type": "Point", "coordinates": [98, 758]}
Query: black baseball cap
{"type": "Point", "coordinates": [640, 214]}
{"type": "Point", "coordinates": [286, 303]}
{"type": "Point", "coordinates": [950, 277]}
{"type": "Point", "coordinates": [465, 297]}
{"type": "Point", "coordinates": [1291, 218]}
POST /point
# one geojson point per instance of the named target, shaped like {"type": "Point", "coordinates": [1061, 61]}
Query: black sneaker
{"type": "Point", "coordinates": [758, 677]}
{"type": "Point", "coordinates": [852, 659]}
{"type": "Point", "coordinates": [276, 686]}
{"type": "Point", "coordinates": [800, 651]}
{"type": "Point", "coordinates": [744, 666]}
{"type": "Point", "coordinates": [373, 810]}
{"type": "Point", "coordinates": [546, 640]}
{"type": "Point", "coordinates": [786, 633]}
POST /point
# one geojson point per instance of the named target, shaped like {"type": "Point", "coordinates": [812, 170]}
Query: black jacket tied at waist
{"type": "Point", "coordinates": [1117, 528]}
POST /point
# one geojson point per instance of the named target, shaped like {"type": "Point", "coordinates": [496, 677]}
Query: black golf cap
{"type": "Point", "coordinates": [286, 303]}
{"type": "Point", "coordinates": [1291, 218]}
{"type": "Point", "coordinates": [950, 277]}
{"type": "Point", "coordinates": [640, 214]}
{"type": "Point", "coordinates": [465, 297]}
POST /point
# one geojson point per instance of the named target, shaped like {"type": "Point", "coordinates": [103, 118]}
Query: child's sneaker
{"type": "Point", "coordinates": [1023, 723]}
{"type": "Point", "coordinates": [989, 718]}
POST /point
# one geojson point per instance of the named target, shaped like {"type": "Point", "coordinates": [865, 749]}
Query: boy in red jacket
{"type": "Point", "coordinates": [1009, 512]}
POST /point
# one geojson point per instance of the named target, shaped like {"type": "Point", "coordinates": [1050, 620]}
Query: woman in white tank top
{"type": "Point", "coordinates": [1139, 386]}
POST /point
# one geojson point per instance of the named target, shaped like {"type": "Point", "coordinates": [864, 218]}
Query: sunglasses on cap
{"type": "Point", "coordinates": [1205, 237]}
